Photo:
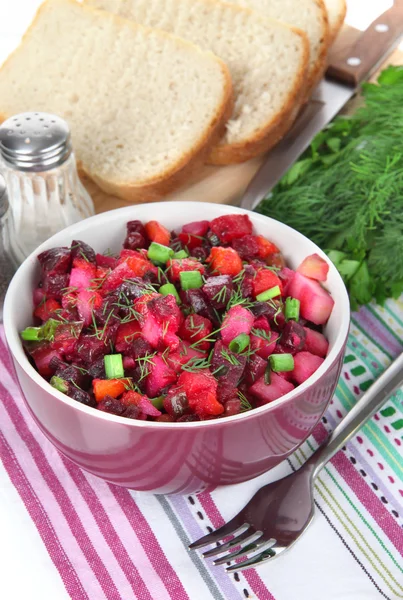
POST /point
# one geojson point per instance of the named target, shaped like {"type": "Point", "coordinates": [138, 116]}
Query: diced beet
{"type": "Point", "coordinates": [107, 313]}
{"type": "Point", "coordinates": [166, 310]}
{"type": "Point", "coordinates": [201, 252]}
{"type": "Point", "coordinates": [90, 348]}
{"type": "Point", "coordinates": [199, 303]}
{"type": "Point", "coordinates": [152, 330]}
{"type": "Point", "coordinates": [161, 375]}
{"type": "Point", "coordinates": [66, 336]}
{"type": "Point", "coordinates": [256, 368]}
{"type": "Point", "coordinates": [55, 260]}
{"type": "Point", "coordinates": [82, 250]}
{"type": "Point", "coordinates": [232, 407]}
{"type": "Point", "coordinates": [292, 338]}
{"type": "Point", "coordinates": [286, 275]}
{"type": "Point", "coordinates": [38, 296]}
{"type": "Point", "coordinates": [130, 290]}
{"type": "Point", "coordinates": [135, 226]}
{"type": "Point", "coordinates": [164, 418]}
{"type": "Point", "coordinates": [125, 336]}
{"type": "Point", "coordinates": [140, 347]}
{"type": "Point", "coordinates": [263, 346]}
{"type": "Point", "coordinates": [54, 284]}
{"type": "Point", "coordinates": [82, 279]}
{"type": "Point", "coordinates": [108, 262]}
{"type": "Point", "coordinates": [314, 267]}
{"type": "Point", "coordinates": [305, 364]}
{"type": "Point", "coordinates": [315, 342]}
{"type": "Point", "coordinates": [227, 366]}
{"type": "Point", "coordinates": [117, 277]}
{"type": "Point", "coordinates": [81, 396]}
{"type": "Point", "coordinates": [316, 302]}
{"type": "Point", "coordinates": [183, 355]}
{"type": "Point", "coordinates": [268, 392]}
{"type": "Point", "coordinates": [176, 403]}
{"type": "Point", "coordinates": [87, 302]}
{"type": "Point", "coordinates": [177, 265]}
{"type": "Point", "coordinates": [230, 227]}
{"type": "Point", "coordinates": [237, 320]}
{"type": "Point", "coordinates": [199, 228]}
{"type": "Point", "coordinates": [42, 356]}
{"type": "Point", "coordinates": [276, 260]}
{"type": "Point", "coordinates": [246, 286]}
{"type": "Point", "coordinates": [225, 393]}
{"type": "Point", "coordinates": [201, 392]}
{"type": "Point", "coordinates": [218, 290]}
{"type": "Point", "coordinates": [246, 246]}
{"type": "Point", "coordinates": [47, 309]}
{"type": "Point", "coordinates": [148, 408]}
{"type": "Point", "coordinates": [188, 419]}
{"type": "Point", "coordinates": [111, 405]}
{"type": "Point", "coordinates": [96, 370]}
{"type": "Point", "coordinates": [132, 412]}
{"type": "Point", "coordinates": [195, 328]}
{"type": "Point", "coordinates": [265, 280]}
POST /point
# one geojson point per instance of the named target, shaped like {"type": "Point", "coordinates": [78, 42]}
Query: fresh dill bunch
{"type": "Point", "coordinates": [346, 192]}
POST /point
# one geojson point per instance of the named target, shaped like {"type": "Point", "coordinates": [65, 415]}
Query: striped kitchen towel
{"type": "Point", "coordinates": [67, 534]}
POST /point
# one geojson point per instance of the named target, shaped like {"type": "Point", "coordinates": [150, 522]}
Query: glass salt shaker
{"type": "Point", "coordinates": [10, 253]}
{"type": "Point", "coordinates": [38, 163]}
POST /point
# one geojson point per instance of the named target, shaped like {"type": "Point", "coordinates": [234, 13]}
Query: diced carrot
{"type": "Point", "coordinates": [264, 280]}
{"type": "Point", "coordinates": [266, 247]}
{"type": "Point", "coordinates": [109, 387]}
{"type": "Point", "coordinates": [46, 309]}
{"type": "Point", "coordinates": [225, 261]}
{"type": "Point", "coordinates": [158, 233]}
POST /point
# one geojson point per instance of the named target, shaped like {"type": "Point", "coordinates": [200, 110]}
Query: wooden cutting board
{"type": "Point", "coordinates": [226, 185]}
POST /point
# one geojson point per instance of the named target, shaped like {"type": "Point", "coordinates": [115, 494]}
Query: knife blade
{"type": "Point", "coordinates": [346, 71]}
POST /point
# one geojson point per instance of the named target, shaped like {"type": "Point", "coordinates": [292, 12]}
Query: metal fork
{"type": "Point", "coordinates": [278, 514]}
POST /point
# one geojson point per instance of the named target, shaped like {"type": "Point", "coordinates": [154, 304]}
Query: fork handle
{"type": "Point", "coordinates": [365, 408]}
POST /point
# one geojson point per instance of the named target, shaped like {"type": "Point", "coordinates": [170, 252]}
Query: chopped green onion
{"type": "Point", "coordinates": [158, 402]}
{"type": "Point", "coordinates": [159, 254]}
{"type": "Point", "coordinates": [181, 254]}
{"type": "Point", "coordinates": [190, 280]}
{"type": "Point", "coordinates": [32, 334]}
{"type": "Point", "coordinates": [169, 288]}
{"type": "Point", "coordinates": [114, 366]}
{"type": "Point", "coordinates": [46, 332]}
{"type": "Point", "coordinates": [239, 343]}
{"type": "Point", "coordinates": [49, 329]}
{"type": "Point", "coordinates": [269, 294]}
{"type": "Point", "coordinates": [59, 384]}
{"type": "Point", "coordinates": [281, 362]}
{"type": "Point", "coordinates": [292, 309]}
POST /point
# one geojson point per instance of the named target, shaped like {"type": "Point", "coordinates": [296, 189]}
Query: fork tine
{"type": "Point", "coordinates": [233, 527]}
{"type": "Point", "coordinates": [256, 559]}
{"type": "Point", "coordinates": [244, 539]}
{"type": "Point", "coordinates": [241, 551]}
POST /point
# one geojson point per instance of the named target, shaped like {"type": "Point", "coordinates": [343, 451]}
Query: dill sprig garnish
{"type": "Point", "coordinates": [196, 364]}
{"type": "Point", "coordinates": [345, 192]}
{"type": "Point", "coordinates": [245, 404]}
{"type": "Point", "coordinates": [262, 334]}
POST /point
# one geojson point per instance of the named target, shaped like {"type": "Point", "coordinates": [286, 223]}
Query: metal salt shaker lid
{"type": "Point", "coordinates": [35, 141]}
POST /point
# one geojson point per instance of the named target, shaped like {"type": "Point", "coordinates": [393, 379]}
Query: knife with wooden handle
{"type": "Point", "coordinates": [348, 68]}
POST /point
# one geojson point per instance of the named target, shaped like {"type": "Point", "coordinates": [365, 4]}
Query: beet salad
{"type": "Point", "coordinates": [188, 326]}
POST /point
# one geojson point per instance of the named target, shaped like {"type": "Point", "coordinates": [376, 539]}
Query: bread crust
{"type": "Point", "coordinates": [334, 31]}
{"type": "Point", "coordinates": [155, 188]}
{"type": "Point", "coordinates": [270, 134]}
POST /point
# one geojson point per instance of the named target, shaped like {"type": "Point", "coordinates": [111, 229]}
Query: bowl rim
{"type": "Point", "coordinates": [18, 354]}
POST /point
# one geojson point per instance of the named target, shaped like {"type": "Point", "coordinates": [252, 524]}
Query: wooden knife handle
{"type": "Point", "coordinates": [353, 64]}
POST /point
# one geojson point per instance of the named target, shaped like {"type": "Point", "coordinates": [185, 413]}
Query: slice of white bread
{"type": "Point", "coordinates": [144, 107]}
{"type": "Point", "coordinates": [336, 12]}
{"type": "Point", "coordinates": [267, 61]}
{"type": "Point", "coordinates": [308, 15]}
